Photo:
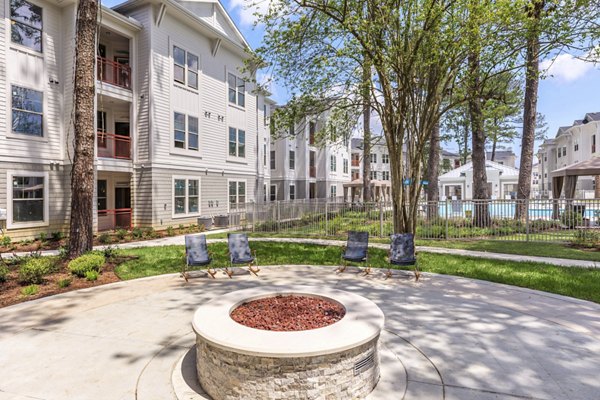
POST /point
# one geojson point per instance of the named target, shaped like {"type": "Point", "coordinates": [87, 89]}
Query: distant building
{"type": "Point", "coordinates": [458, 183]}
{"type": "Point", "coordinates": [503, 157]}
{"type": "Point", "coordinates": [449, 161]}
{"type": "Point", "coordinates": [536, 181]}
{"type": "Point", "coordinates": [379, 159]}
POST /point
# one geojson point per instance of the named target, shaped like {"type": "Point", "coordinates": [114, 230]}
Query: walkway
{"type": "Point", "coordinates": [180, 241]}
{"type": "Point", "coordinates": [456, 338]}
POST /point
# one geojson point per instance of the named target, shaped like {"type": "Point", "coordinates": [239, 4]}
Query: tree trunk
{"type": "Point", "coordinates": [480, 190]}
{"type": "Point", "coordinates": [366, 97]}
{"type": "Point", "coordinates": [493, 157]}
{"type": "Point", "coordinates": [82, 173]}
{"type": "Point", "coordinates": [529, 109]}
{"type": "Point", "coordinates": [433, 166]}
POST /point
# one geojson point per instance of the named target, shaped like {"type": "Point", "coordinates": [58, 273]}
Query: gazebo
{"type": "Point", "coordinates": [381, 190]}
{"type": "Point", "coordinates": [565, 180]}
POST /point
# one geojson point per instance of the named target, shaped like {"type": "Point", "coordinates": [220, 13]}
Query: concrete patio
{"type": "Point", "coordinates": [445, 338]}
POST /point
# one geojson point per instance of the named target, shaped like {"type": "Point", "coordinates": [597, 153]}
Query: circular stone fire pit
{"type": "Point", "coordinates": [337, 361]}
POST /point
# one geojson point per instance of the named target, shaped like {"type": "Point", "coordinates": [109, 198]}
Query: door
{"type": "Point", "coordinates": [122, 207]}
{"type": "Point", "coordinates": [122, 141]}
{"type": "Point", "coordinates": [312, 189]}
{"type": "Point", "coordinates": [101, 63]}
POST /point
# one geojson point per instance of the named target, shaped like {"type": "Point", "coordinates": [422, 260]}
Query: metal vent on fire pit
{"type": "Point", "coordinates": [364, 364]}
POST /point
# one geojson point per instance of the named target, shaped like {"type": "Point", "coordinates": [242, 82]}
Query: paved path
{"type": "Point", "coordinates": [456, 338]}
{"type": "Point", "coordinates": [180, 240]}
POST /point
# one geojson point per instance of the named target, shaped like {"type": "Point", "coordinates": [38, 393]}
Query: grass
{"type": "Point", "coordinates": [539, 249]}
{"type": "Point", "coordinates": [575, 282]}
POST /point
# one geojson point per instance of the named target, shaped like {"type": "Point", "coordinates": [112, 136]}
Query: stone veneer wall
{"type": "Point", "coordinates": [226, 375]}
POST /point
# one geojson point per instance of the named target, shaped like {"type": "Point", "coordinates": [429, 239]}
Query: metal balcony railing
{"type": "Point", "coordinates": [113, 146]}
{"type": "Point", "coordinates": [114, 73]}
{"type": "Point", "coordinates": [312, 172]}
{"type": "Point", "coordinates": [109, 220]}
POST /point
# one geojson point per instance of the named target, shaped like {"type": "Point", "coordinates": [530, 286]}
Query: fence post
{"type": "Point", "coordinates": [447, 217]}
{"type": "Point", "coordinates": [380, 219]}
{"type": "Point", "coordinates": [527, 220]}
{"type": "Point", "coordinates": [278, 216]}
{"type": "Point", "coordinates": [326, 218]}
{"type": "Point", "coordinates": [254, 215]}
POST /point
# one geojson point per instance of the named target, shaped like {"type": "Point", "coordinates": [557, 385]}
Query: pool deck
{"type": "Point", "coordinates": [450, 338]}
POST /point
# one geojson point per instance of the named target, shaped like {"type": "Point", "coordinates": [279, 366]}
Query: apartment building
{"type": "Point", "coordinates": [379, 159]}
{"type": "Point", "coordinates": [571, 145]}
{"type": "Point", "coordinates": [457, 184]}
{"type": "Point", "coordinates": [180, 130]}
{"type": "Point", "coordinates": [303, 168]}
{"type": "Point", "coordinates": [503, 157]}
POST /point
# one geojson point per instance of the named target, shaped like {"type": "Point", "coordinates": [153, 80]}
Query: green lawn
{"type": "Point", "coordinates": [575, 282]}
{"type": "Point", "coordinates": [540, 249]}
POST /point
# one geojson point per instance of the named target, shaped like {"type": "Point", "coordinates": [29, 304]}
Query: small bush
{"type": "Point", "coordinates": [91, 275]}
{"type": "Point", "coordinates": [150, 233]}
{"type": "Point", "coordinates": [170, 231]}
{"type": "Point", "coordinates": [586, 238]}
{"type": "Point", "coordinates": [5, 241]}
{"type": "Point", "coordinates": [137, 232]}
{"type": "Point", "coordinates": [63, 252]}
{"type": "Point", "coordinates": [43, 236]}
{"type": "Point", "coordinates": [30, 290]}
{"type": "Point", "coordinates": [58, 235]}
{"type": "Point", "coordinates": [104, 238]}
{"type": "Point", "coordinates": [87, 262]}
{"type": "Point", "coordinates": [571, 219]}
{"type": "Point", "coordinates": [109, 252]}
{"type": "Point", "coordinates": [201, 228]}
{"type": "Point", "coordinates": [121, 233]}
{"type": "Point", "coordinates": [3, 273]}
{"type": "Point", "coordinates": [181, 227]}
{"type": "Point", "coordinates": [63, 283]}
{"type": "Point", "coordinates": [34, 269]}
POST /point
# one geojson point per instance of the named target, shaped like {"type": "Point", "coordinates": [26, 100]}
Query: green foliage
{"type": "Point", "coordinates": [137, 232]}
{"type": "Point", "coordinates": [64, 283]}
{"type": "Point", "coordinates": [170, 231]}
{"type": "Point", "coordinates": [586, 238]}
{"type": "Point", "coordinates": [3, 272]}
{"type": "Point", "coordinates": [149, 233]}
{"type": "Point", "coordinates": [63, 252]}
{"type": "Point", "coordinates": [34, 269]}
{"type": "Point", "coordinates": [30, 290]}
{"type": "Point", "coordinates": [121, 234]}
{"type": "Point", "coordinates": [43, 236]}
{"type": "Point", "coordinates": [571, 219]}
{"type": "Point", "coordinates": [58, 235]}
{"type": "Point", "coordinates": [91, 275]}
{"type": "Point", "coordinates": [5, 241]}
{"type": "Point", "coordinates": [87, 262]}
{"type": "Point", "coordinates": [109, 252]}
{"type": "Point", "coordinates": [104, 238]}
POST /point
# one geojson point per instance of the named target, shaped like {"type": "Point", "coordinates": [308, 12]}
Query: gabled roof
{"type": "Point", "coordinates": [446, 153]}
{"type": "Point", "coordinates": [562, 130]}
{"type": "Point", "coordinates": [577, 122]}
{"type": "Point", "coordinates": [589, 117]}
{"type": "Point", "coordinates": [457, 172]}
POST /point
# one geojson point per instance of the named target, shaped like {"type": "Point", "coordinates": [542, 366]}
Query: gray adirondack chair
{"type": "Point", "coordinates": [240, 253]}
{"type": "Point", "coordinates": [402, 252]}
{"type": "Point", "coordinates": [196, 255]}
{"type": "Point", "coordinates": [356, 250]}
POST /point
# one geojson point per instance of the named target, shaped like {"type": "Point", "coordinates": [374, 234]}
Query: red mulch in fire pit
{"type": "Point", "coordinates": [288, 313]}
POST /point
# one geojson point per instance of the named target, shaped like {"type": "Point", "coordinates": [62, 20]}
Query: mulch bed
{"type": "Point", "coordinates": [288, 313]}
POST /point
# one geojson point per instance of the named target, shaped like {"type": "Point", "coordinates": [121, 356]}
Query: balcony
{"type": "Point", "coordinates": [114, 73]}
{"type": "Point", "coordinates": [312, 171]}
{"type": "Point", "coordinates": [110, 220]}
{"type": "Point", "coordinates": [113, 146]}
{"type": "Point", "coordinates": [355, 162]}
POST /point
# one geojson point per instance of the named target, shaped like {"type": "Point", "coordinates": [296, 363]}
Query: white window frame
{"type": "Point", "coordinates": [332, 163]}
{"type": "Point", "coordinates": [290, 196]}
{"type": "Point", "coordinates": [333, 191]}
{"type": "Point", "coordinates": [186, 149]}
{"type": "Point", "coordinates": [25, 136]}
{"type": "Point", "coordinates": [237, 191]}
{"type": "Point", "coordinates": [9, 30]}
{"type": "Point", "coordinates": [345, 165]}
{"type": "Point", "coordinates": [9, 197]}
{"type": "Point", "coordinates": [237, 91]}
{"type": "Point", "coordinates": [237, 143]}
{"type": "Point", "coordinates": [187, 178]}
{"type": "Point", "coordinates": [186, 68]}
{"type": "Point", "coordinates": [290, 166]}
{"type": "Point", "coordinates": [373, 158]}
{"type": "Point", "coordinates": [273, 192]}
{"type": "Point", "coordinates": [385, 158]}
{"type": "Point", "coordinates": [385, 175]}
{"type": "Point", "coordinates": [272, 160]}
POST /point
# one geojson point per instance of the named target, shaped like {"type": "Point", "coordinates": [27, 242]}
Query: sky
{"type": "Point", "coordinates": [570, 89]}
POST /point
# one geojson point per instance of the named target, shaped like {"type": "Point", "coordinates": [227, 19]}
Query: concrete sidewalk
{"type": "Point", "coordinates": [455, 338]}
{"type": "Point", "coordinates": [180, 241]}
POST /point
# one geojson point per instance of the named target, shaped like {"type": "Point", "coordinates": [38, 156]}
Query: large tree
{"type": "Point", "coordinates": [82, 173]}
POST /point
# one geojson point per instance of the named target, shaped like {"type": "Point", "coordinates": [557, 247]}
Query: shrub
{"type": "Point", "coordinates": [137, 232]}
{"type": "Point", "coordinates": [149, 233]}
{"type": "Point", "coordinates": [121, 233]}
{"type": "Point", "coordinates": [104, 238]}
{"type": "Point", "coordinates": [5, 241]}
{"type": "Point", "coordinates": [91, 275]}
{"type": "Point", "coordinates": [586, 238]}
{"type": "Point", "coordinates": [63, 283]}
{"type": "Point", "coordinates": [30, 290]}
{"type": "Point", "coordinates": [34, 269]}
{"type": "Point", "coordinates": [58, 235]}
{"type": "Point", "coordinates": [571, 219]}
{"type": "Point", "coordinates": [109, 252]}
{"type": "Point", "coordinates": [201, 228]}
{"type": "Point", "coordinates": [87, 262]}
{"type": "Point", "coordinates": [3, 273]}
{"type": "Point", "coordinates": [63, 252]}
{"type": "Point", "coordinates": [43, 236]}
{"type": "Point", "coordinates": [170, 231]}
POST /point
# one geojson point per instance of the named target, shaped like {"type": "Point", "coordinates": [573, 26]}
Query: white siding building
{"type": "Point", "coordinates": [181, 131]}
{"type": "Point", "coordinates": [458, 183]}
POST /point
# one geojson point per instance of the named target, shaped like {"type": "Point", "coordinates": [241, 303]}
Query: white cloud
{"type": "Point", "coordinates": [246, 10]}
{"type": "Point", "coordinates": [566, 68]}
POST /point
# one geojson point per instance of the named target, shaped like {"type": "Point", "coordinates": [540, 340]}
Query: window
{"type": "Point", "coordinates": [237, 142]}
{"type": "Point", "coordinates": [273, 192]}
{"type": "Point", "coordinates": [292, 159]}
{"type": "Point", "coordinates": [576, 147]}
{"type": "Point", "coordinates": [292, 192]}
{"type": "Point", "coordinates": [272, 161]}
{"type": "Point", "coordinates": [28, 196]}
{"type": "Point", "coordinates": [564, 151]}
{"type": "Point", "coordinates": [237, 90]}
{"type": "Point", "coordinates": [385, 175]}
{"type": "Point", "coordinates": [265, 115]}
{"type": "Point", "coordinates": [264, 155]}
{"type": "Point", "coordinates": [185, 131]}
{"type": "Point", "coordinates": [333, 191]}
{"type": "Point", "coordinates": [593, 143]}
{"type": "Point", "coordinates": [373, 175]}
{"type": "Point", "coordinates": [26, 24]}
{"type": "Point", "coordinates": [385, 158]}
{"type": "Point", "coordinates": [373, 158]}
{"type": "Point", "coordinates": [237, 192]}
{"type": "Point", "coordinates": [345, 165]}
{"type": "Point", "coordinates": [312, 127]}
{"type": "Point", "coordinates": [186, 196]}
{"type": "Point", "coordinates": [101, 197]}
{"type": "Point", "coordinates": [27, 111]}
{"type": "Point", "coordinates": [332, 163]}
{"type": "Point", "coordinates": [265, 192]}
{"type": "Point", "coordinates": [185, 65]}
